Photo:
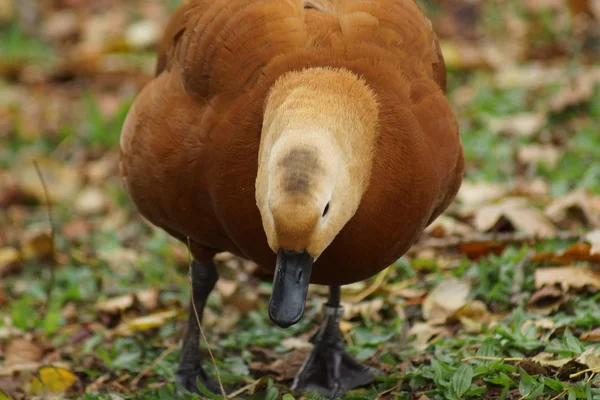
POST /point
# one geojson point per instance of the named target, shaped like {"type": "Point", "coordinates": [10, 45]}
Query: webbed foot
{"type": "Point", "coordinates": [329, 370]}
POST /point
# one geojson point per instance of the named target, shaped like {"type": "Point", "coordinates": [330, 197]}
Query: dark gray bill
{"type": "Point", "coordinates": [290, 285]}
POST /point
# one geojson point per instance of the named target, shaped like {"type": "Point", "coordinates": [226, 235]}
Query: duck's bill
{"type": "Point", "coordinates": [290, 285]}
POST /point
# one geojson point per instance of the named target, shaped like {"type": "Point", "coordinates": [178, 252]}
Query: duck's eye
{"type": "Point", "coordinates": [326, 210]}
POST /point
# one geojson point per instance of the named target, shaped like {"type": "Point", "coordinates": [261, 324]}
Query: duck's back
{"type": "Point", "coordinates": [190, 143]}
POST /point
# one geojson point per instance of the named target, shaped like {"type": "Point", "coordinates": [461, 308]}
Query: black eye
{"type": "Point", "coordinates": [326, 210]}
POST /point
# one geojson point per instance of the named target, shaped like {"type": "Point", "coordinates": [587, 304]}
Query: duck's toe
{"type": "Point", "coordinates": [189, 379]}
{"type": "Point", "coordinates": [331, 371]}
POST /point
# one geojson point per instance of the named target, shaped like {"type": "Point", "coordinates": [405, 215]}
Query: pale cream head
{"type": "Point", "coordinates": [315, 157]}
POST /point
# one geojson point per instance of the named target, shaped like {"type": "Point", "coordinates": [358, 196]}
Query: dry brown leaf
{"type": "Point", "coordinates": [285, 368]}
{"type": "Point", "coordinates": [10, 261]}
{"type": "Point", "coordinates": [477, 250]}
{"type": "Point", "coordinates": [424, 333]}
{"type": "Point", "coordinates": [518, 213]}
{"type": "Point", "coordinates": [368, 309]}
{"type": "Point", "coordinates": [591, 336]}
{"type": "Point", "coordinates": [149, 299]}
{"type": "Point", "coordinates": [445, 300]}
{"type": "Point", "coordinates": [294, 343]}
{"type": "Point", "coordinates": [62, 181]}
{"type": "Point", "coordinates": [546, 300]}
{"type": "Point", "coordinates": [91, 201]}
{"type": "Point", "coordinates": [447, 226]}
{"type": "Point", "coordinates": [539, 154]}
{"type": "Point", "coordinates": [408, 293]}
{"type": "Point", "coordinates": [535, 368]}
{"type": "Point", "coordinates": [52, 380]}
{"type": "Point", "coordinates": [593, 238]}
{"type": "Point", "coordinates": [226, 288]}
{"type": "Point", "coordinates": [115, 305]}
{"type": "Point", "coordinates": [471, 194]}
{"type": "Point", "coordinates": [575, 252]}
{"type": "Point", "coordinates": [577, 91]}
{"type": "Point", "coordinates": [38, 246]}
{"type": "Point", "coordinates": [21, 351]}
{"type": "Point", "coordinates": [473, 316]}
{"type": "Point", "coordinates": [547, 359]}
{"type": "Point", "coordinates": [519, 125]}
{"type": "Point", "coordinates": [579, 205]}
{"type": "Point", "coordinates": [567, 277]}
{"type": "Point", "coordinates": [590, 357]}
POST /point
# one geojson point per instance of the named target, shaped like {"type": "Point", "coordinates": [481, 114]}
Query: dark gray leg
{"type": "Point", "coordinates": [329, 369]}
{"type": "Point", "coordinates": [204, 277]}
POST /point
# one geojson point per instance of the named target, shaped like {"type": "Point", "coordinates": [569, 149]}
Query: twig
{"type": "Point", "coordinates": [492, 358]}
{"type": "Point", "coordinates": [212, 358]}
{"type": "Point", "coordinates": [50, 287]}
{"type": "Point", "coordinates": [244, 389]}
{"type": "Point", "coordinates": [161, 357]}
{"type": "Point", "coordinates": [559, 395]}
{"type": "Point", "coordinates": [508, 238]}
{"type": "Point", "coordinates": [593, 370]}
{"type": "Point", "coordinates": [387, 391]}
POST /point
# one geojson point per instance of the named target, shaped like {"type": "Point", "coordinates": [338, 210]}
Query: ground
{"type": "Point", "coordinates": [499, 299]}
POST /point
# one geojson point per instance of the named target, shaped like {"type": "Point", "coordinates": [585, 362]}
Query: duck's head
{"type": "Point", "coordinates": [315, 158]}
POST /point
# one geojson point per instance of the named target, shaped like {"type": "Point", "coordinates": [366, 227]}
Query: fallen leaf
{"type": "Point", "coordinates": [294, 343]}
{"type": "Point", "coordinates": [590, 357]}
{"type": "Point", "coordinates": [38, 246]}
{"type": "Point", "coordinates": [473, 316]}
{"type": "Point", "coordinates": [567, 277]}
{"type": "Point", "coordinates": [471, 194]}
{"type": "Point", "coordinates": [21, 351]}
{"type": "Point", "coordinates": [539, 154]}
{"type": "Point", "coordinates": [10, 261]}
{"type": "Point", "coordinates": [535, 368]}
{"type": "Point", "coordinates": [367, 309]}
{"type": "Point", "coordinates": [593, 238]}
{"type": "Point", "coordinates": [115, 305]}
{"type": "Point", "coordinates": [547, 359]}
{"type": "Point", "coordinates": [476, 250]}
{"type": "Point", "coordinates": [446, 226]}
{"type": "Point", "coordinates": [423, 334]}
{"type": "Point", "coordinates": [445, 300]}
{"type": "Point", "coordinates": [52, 380]}
{"type": "Point", "coordinates": [285, 368]}
{"type": "Point", "coordinates": [518, 125]}
{"type": "Point", "coordinates": [575, 252]}
{"type": "Point", "coordinates": [580, 89]}
{"type": "Point", "coordinates": [518, 213]}
{"type": "Point", "coordinates": [579, 205]}
{"type": "Point", "coordinates": [546, 300]}
{"type": "Point", "coordinates": [144, 323]}
{"type": "Point", "coordinates": [591, 336]}
{"type": "Point", "coordinates": [91, 201]}
{"type": "Point", "coordinates": [149, 299]}
{"type": "Point", "coordinates": [62, 181]}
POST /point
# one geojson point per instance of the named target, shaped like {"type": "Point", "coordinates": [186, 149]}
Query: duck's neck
{"type": "Point", "coordinates": [331, 111]}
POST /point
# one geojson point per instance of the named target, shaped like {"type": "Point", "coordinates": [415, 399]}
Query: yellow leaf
{"type": "Point", "coordinates": [145, 323]}
{"type": "Point", "coordinates": [52, 380]}
{"type": "Point", "coordinates": [3, 396]}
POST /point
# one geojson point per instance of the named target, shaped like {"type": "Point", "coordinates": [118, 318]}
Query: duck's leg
{"type": "Point", "coordinates": [204, 277]}
{"type": "Point", "coordinates": [329, 369]}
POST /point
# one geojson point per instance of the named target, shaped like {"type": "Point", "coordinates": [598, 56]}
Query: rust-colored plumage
{"type": "Point", "coordinates": [304, 125]}
{"type": "Point", "coordinates": [190, 143]}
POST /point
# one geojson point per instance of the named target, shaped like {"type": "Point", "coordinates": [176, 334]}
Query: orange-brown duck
{"type": "Point", "coordinates": [312, 137]}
